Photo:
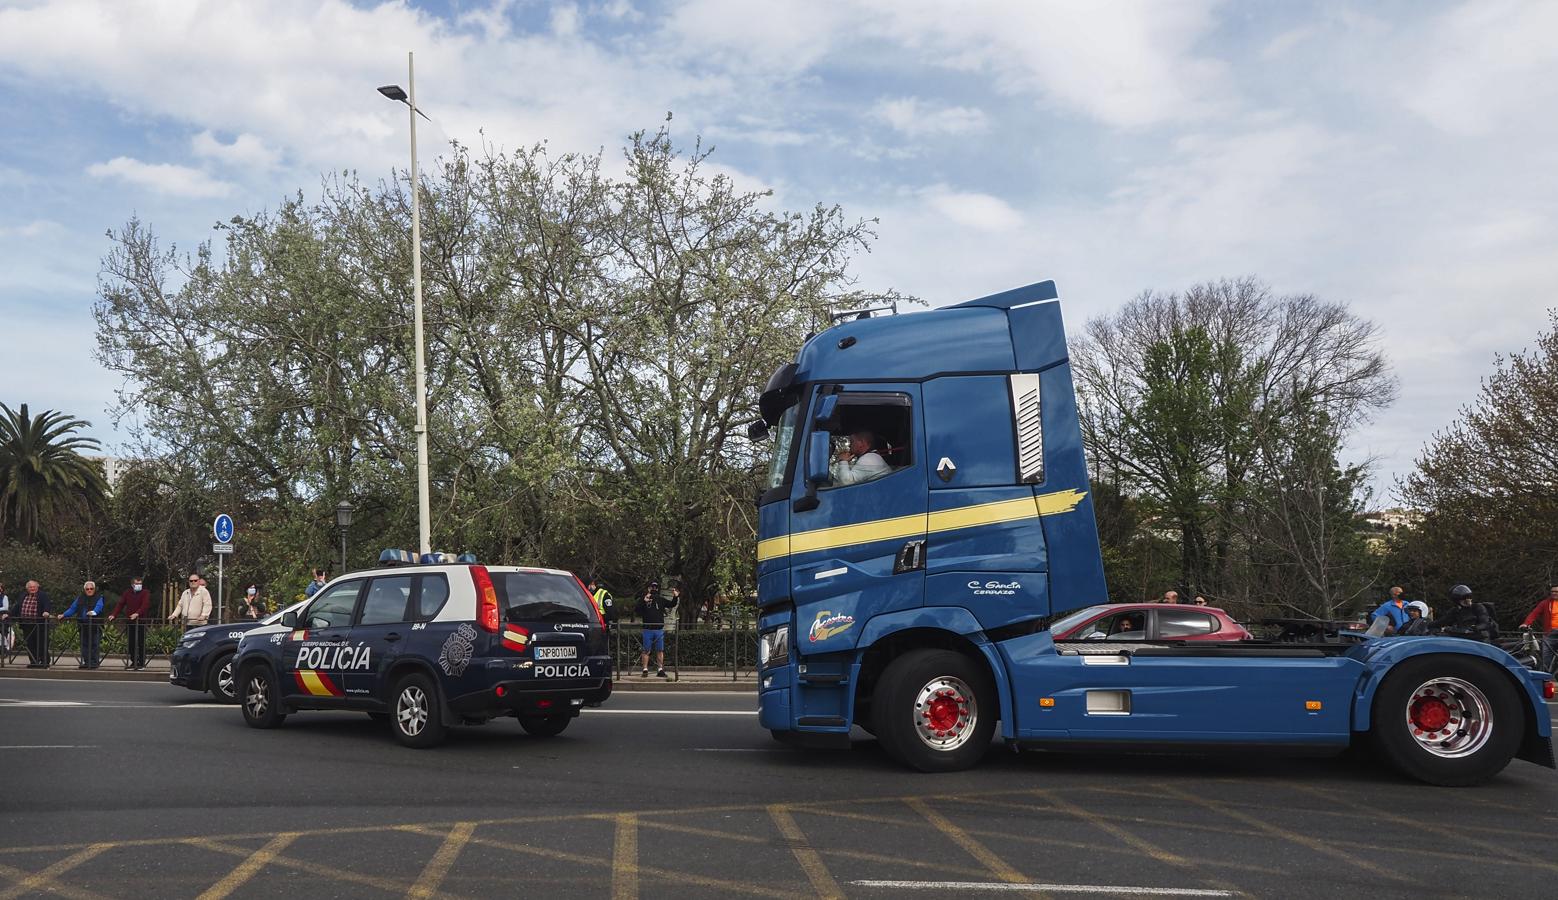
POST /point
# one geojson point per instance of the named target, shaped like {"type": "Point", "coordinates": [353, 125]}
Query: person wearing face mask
{"type": "Point", "coordinates": [134, 604]}
{"type": "Point", "coordinates": [253, 608]}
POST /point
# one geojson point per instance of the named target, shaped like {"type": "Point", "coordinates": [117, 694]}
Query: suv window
{"type": "Point", "coordinates": [432, 594]}
{"type": "Point", "coordinates": [542, 597]}
{"type": "Point", "coordinates": [334, 607]}
{"type": "Point", "coordinates": [1174, 624]}
{"type": "Point", "coordinates": [386, 602]}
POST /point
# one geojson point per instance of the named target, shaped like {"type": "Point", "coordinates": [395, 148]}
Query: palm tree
{"type": "Point", "coordinates": [42, 470]}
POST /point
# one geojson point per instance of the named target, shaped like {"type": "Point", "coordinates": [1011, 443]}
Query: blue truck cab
{"type": "Point", "coordinates": [910, 590]}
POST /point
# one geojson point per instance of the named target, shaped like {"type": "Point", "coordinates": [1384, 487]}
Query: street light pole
{"type": "Point", "coordinates": [409, 98]}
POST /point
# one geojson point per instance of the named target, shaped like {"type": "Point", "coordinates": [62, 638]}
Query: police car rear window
{"type": "Point", "coordinates": [540, 597]}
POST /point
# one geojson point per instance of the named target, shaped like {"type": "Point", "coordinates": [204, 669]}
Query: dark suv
{"type": "Point", "coordinates": [430, 645]}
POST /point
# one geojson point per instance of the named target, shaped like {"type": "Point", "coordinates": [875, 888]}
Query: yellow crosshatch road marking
{"type": "Point", "coordinates": [909, 526]}
{"type": "Point", "coordinates": [624, 859]}
{"type": "Point", "coordinates": [44, 880]}
{"type": "Point", "coordinates": [247, 869]}
{"type": "Point", "coordinates": [997, 866]}
{"type": "Point", "coordinates": [810, 862]}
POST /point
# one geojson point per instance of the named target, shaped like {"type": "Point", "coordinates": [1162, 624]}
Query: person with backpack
{"type": "Point", "coordinates": [1467, 618]}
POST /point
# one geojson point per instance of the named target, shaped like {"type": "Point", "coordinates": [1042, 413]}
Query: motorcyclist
{"type": "Point", "coordinates": [1417, 620]}
{"type": "Point", "coordinates": [1466, 618]}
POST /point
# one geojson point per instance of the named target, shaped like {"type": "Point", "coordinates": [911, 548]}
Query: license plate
{"type": "Point", "coordinates": [557, 653]}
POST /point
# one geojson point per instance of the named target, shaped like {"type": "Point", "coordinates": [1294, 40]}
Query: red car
{"type": "Point", "coordinates": [1149, 622]}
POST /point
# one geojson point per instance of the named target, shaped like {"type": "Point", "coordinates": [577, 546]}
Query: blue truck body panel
{"type": "Point", "coordinates": [981, 532]}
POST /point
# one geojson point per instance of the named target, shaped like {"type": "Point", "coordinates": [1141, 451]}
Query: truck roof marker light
{"type": "Point", "coordinates": [486, 600]}
{"type": "Point", "coordinates": [1047, 702]}
{"type": "Point", "coordinates": [1312, 705]}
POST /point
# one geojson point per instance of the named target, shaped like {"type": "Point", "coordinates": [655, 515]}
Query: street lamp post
{"type": "Point", "coordinates": [343, 521]}
{"type": "Point", "coordinates": [393, 92]}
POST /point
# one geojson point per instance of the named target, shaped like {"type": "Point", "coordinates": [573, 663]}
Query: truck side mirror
{"type": "Point", "coordinates": [817, 453]}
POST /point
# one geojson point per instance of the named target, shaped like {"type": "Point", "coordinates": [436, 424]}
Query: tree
{"type": "Point", "coordinates": [1488, 487]}
{"type": "Point", "coordinates": [1188, 400]}
{"type": "Point", "coordinates": [42, 471]}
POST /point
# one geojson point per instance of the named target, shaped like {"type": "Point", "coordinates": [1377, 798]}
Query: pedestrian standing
{"type": "Point", "coordinates": [135, 605]}
{"type": "Point", "coordinates": [86, 609]}
{"type": "Point", "coordinates": [603, 602]}
{"type": "Point", "coordinates": [32, 613]}
{"type": "Point", "coordinates": [319, 581]}
{"type": "Point", "coordinates": [1170, 597]}
{"type": "Point", "coordinates": [252, 608]}
{"type": "Point", "coordinates": [1393, 613]}
{"type": "Point", "coordinates": [651, 608]}
{"type": "Point", "coordinates": [1199, 600]}
{"type": "Point", "coordinates": [5, 622]}
{"type": "Point", "coordinates": [1544, 616]}
{"type": "Point", "coordinates": [194, 606]}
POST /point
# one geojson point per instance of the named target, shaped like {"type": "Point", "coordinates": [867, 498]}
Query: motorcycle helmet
{"type": "Point", "coordinates": [1459, 592]}
{"type": "Point", "coordinates": [1420, 606]}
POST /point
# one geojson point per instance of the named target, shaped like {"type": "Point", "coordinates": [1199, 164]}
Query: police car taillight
{"type": "Point", "coordinates": [590, 599]}
{"type": "Point", "coordinates": [486, 600]}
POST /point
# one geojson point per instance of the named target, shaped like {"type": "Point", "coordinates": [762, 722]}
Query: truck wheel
{"type": "Point", "coordinates": [220, 681]}
{"type": "Point", "coordinates": [1447, 720]}
{"type": "Point", "coordinates": [261, 699]}
{"type": "Point", "coordinates": [544, 726]}
{"type": "Point", "coordinates": [418, 720]}
{"type": "Point", "coordinates": [934, 710]}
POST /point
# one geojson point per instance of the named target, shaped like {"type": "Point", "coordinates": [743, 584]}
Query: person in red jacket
{"type": "Point", "coordinates": [134, 604]}
{"type": "Point", "coordinates": [1544, 616]}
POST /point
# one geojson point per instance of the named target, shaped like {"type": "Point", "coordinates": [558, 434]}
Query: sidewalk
{"type": "Point", "coordinates": [157, 672]}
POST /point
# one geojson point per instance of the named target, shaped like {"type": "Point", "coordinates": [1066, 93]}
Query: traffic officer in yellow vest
{"type": "Point", "coordinates": [602, 599]}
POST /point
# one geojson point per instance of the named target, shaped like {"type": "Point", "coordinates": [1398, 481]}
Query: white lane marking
{"type": "Point", "coordinates": [736, 750]}
{"type": "Point", "coordinates": [673, 712]}
{"type": "Point", "coordinates": [6, 701]}
{"type": "Point", "coordinates": [48, 746]}
{"type": "Point", "coordinates": [1050, 888]}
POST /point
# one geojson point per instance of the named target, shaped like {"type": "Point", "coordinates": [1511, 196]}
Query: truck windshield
{"type": "Point", "coordinates": [784, 436]}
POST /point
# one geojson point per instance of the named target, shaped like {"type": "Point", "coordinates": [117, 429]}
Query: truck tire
{"type": "Point", "coordinates": [934, 710]}
{"type": "Point", "coordinates": [416, 716]}
{"type": "Point", "coordinates": [1447, 719]}
{"type": "Point", "coordinates": [544, 726]}
{"type": "Point", "coordinates": [220, 680]}
{"type": "Point", "coordinates": [261, 699]}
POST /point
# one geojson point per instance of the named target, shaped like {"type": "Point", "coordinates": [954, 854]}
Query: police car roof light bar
{"type": "Point", "coordinates": [397, 558]}
{"type": "Point", "coordinates": [467, 558]}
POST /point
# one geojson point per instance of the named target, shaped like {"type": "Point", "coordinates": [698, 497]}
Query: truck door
{"type": "Point", "coordinates": [857, 529]}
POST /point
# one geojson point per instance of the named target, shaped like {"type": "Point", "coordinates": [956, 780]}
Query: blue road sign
{"type": "Point", "coordinates": [222, 528]}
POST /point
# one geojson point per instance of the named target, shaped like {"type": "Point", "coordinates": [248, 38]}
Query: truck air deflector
{"type": "Point", "coordinates": [963, 340]}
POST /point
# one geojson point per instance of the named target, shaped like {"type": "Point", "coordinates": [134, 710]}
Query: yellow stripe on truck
{"type": "Point", "coordinates": [915, 525]}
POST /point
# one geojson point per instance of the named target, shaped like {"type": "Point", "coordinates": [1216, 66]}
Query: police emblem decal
{"type": "Point", "coordinates": [456, 652]}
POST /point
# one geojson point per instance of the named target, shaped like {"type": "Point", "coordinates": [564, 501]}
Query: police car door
{"type": "Point", "coordinates": [316, 649]}
{"type": "Point", "coordinates": [382, 626]}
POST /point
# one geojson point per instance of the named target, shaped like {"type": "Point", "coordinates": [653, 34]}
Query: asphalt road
{"type": "Point", "coordinates": [142, 790]}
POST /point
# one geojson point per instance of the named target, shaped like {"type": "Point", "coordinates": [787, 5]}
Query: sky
{"type": "Point", "coordinates": [1399, 157]}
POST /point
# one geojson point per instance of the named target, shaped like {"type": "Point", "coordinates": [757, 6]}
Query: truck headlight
{"type": "Point", "coordinates": [773, 647]}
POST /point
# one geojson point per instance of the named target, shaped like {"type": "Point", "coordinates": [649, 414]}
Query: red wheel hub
{"type": "Point", "coordinates": [1430, 713]}
{"type": "Point", "coordinates": [943, 711]}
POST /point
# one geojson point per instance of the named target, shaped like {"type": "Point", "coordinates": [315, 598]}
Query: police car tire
{"type": "Point", "coordinates": [419, 695]}
{"type": "Point", "coordinates": [1393, 738]}
{"type": "Point", "coordinates": [893, 709]}
{"type": "Point", "coordinates": [544, 726]}
{"type": "Point", "coordinates": [260, 677]}
{"type": "Point", "coordinates": [214, 679]}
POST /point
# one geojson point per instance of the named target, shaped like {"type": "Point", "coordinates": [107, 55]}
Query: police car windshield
{"type": "Point", "coordinates": [541, 597]}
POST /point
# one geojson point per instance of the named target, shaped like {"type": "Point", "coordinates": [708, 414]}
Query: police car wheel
{"type": "Point", "coordinates": [544, 726]}
{"type": "Point", "coordinates": [261, 705]}
{"type": "Point", "coordinates": [221, 681]}
{"type": "Point", "coordinates": [1448, 719]}
{"type": "Point", "coordinates": [934, 710]}
{"type": "Point", "coordinates": [415, 714]}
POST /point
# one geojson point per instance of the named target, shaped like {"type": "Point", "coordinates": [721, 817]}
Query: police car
{"type": "Point", "coordinates": [425, 644]}
{"type": "Point", "coordinates": [203, 660]}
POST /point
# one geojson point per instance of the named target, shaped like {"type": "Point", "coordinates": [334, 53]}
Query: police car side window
{"type": "Point", "coordinates": [386, 603]}
{"type": "Point", "coordinates": [431, 594]}
{"type": "Point", "coordinates": [334, 607]}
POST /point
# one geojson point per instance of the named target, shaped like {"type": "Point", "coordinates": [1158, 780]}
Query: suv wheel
{"type": "Point", "coordinates": [416, 714]}
{"type": "Point", "coordinates": [544, 726]}
{"type": "Point", "coordinates": [261, 701]}
{"type": "Point", "coordinates": [221, 682]}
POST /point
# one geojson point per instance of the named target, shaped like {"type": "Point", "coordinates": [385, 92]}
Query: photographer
{"type": "Point", "coordinates": [652, 608]}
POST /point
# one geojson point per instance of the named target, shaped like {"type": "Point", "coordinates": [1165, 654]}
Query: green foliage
{"type": "Point", "coordinates": [42, 471]}
{"type": "Point", "coordinates": [594, 346]}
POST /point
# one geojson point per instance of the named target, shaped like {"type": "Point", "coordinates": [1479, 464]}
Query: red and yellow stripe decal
{"type": "Point", "coordinates": [515, 637]}
{"type": "Point", "coordinates": [317, 684]}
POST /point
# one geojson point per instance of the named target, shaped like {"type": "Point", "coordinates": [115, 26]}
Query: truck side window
{"type": "Point", "coordinates": [872, 436]}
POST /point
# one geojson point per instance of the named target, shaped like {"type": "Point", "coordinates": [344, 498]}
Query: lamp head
{"type": "Point", "coordinates": [393, 92]}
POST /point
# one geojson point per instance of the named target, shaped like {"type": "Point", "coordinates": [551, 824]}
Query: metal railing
{"type": "Point", "coordinates": [44, 642]}
{"type": "Point", "coordinates": [711, 650]}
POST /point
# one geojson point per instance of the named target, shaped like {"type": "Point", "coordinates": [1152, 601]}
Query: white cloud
{"type": "Point", "coordinates": [163, 178]}
{"type": "Point", "coordinates": [916, 117]}
{"type": "Point", "coordinates": [974, 210]}
{"type": "Point", "coordinates": [33, 229]}
{"type": "Point", "coordinates": [246, 151]}
{"type": "Point", "coordinates": [1484, 66]}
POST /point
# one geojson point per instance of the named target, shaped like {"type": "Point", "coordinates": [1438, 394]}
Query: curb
{"type": "Point", "coordinates": [626, 685]}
